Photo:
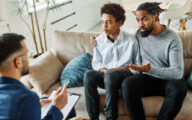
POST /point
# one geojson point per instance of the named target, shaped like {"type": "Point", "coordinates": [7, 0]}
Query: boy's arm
{"type": "Point", "coordinates": [97, 60]}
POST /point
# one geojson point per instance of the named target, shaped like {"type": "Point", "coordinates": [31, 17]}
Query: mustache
{"type": "Point", "coordinates": [143, 28]}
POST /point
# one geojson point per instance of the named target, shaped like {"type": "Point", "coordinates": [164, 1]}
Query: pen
{"type": "Point", "coordinates": [67, 82]}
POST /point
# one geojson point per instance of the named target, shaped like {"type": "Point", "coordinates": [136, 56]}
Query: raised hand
{"type": "Point", "coordinates": [60, 99]}
{"type": "Point", "coordinates": [140, 68]}
{"type": "Point", "coordinates": [93, 41]}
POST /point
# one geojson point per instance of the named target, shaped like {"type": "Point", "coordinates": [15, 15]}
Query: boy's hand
{"type": "Point", "coordinates": [93, 41]}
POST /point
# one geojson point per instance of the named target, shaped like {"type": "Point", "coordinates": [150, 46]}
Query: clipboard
{"type": "Point", "coordinates": [72, 100]}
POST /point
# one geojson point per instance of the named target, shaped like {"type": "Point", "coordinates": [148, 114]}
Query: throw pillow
{"type": "Point", "coordinates": [45, 70]}
{"type": "Point", "coordinates": [75, 69]}
{"type": "Point", "coordinates": [190, 81]}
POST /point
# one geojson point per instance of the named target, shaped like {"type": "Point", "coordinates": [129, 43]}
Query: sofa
{"type": "Point", "coordinates": [46, 69]}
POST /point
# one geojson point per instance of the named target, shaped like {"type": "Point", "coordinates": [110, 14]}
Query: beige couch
{"type": "Point", "coordinates": [46, 69]}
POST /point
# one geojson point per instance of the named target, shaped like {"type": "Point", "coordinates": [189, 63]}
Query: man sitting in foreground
{"type": "Point", "coordinates": [17, 102]}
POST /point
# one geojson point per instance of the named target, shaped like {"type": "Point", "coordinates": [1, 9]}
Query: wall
{"type": "Point", "coordinates": [132, 4]}
{"type": "Point", "coordinates": [86, 16]}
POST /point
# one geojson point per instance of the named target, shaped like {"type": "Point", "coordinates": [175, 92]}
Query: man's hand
{"type": "Point", "coordinates": [140, 68]}
{"type": "Point", "coordinates": [120, 69]}
{"type": "Point", "coordinates": [93, 41]}
{"type": "Point", "coordinates": [60, 99]}
{"type": "Point", "coordinates": [103, 70]}
{"type": "Point", "coordinates": [44, 101]}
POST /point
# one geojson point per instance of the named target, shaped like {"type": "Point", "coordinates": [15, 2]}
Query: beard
{"type": "Point", "coordinates": [25, 71]}
{"type": "Point", "coordinates": [147, 32]}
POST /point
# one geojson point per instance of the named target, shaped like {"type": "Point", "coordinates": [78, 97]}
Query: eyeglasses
{"type": "Point", "coordinates": [29, 54]}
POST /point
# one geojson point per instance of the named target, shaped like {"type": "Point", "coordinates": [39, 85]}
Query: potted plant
{"type": "Point", "coordinates": [30, 7]}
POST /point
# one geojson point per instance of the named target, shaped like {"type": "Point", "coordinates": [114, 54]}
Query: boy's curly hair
{"type": "Point", "coordinates": [115, 10]}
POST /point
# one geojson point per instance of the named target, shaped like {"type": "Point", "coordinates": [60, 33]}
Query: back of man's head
{"type": "Point", "coordinates": [115, 10]}
{"type": "Point", "coordinates": [10, 43]}
{"type": "Point", "coordinates": [150, 7]}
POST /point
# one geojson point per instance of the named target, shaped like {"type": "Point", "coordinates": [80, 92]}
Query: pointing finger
{"type": "Point", "coordinates": [64, 90]}
{"type": "Point", "coordinates": [58, 91]}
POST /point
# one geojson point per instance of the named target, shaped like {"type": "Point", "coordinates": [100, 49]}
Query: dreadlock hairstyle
{"type": "Point", "coordinates": [151, 7]}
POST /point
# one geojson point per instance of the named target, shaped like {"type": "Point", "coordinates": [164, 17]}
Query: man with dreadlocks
{"type": "Point", "coordinates": [162, 67]}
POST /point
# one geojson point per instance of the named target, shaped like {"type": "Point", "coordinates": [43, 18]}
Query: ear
{"type": "Point", "coordinates": [120, 23]}
{"type": "Point", "coordinates": [156, 16]}
{"type": "Point", "coordinates": [17, 62]}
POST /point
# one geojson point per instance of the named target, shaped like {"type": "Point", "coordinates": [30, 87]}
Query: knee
{"type": "Point", "coordinates": [88, 77]}
{"type": "Point", "coordinates": [127, 85]}
{"type": "Point", "coordinates": [178, 89]}
{"type": "Point", "coordinates": [111, 80]}
{"type": "Point", "coordinates": [111, 74]}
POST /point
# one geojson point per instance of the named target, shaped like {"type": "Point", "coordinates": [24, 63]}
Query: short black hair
{"type": "Point", "coordinates": [9, 44]}
{"type": "Point", "coordinates": [115, 10]}
{"type": "Point", "coordinates": [151, 7]}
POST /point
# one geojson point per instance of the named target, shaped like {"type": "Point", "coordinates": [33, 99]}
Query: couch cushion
{"type": "Point", "coordinates": [187, 67]}
{"type": "Point", "coordinates": [69, 45]}
{"type": "Point", "coordinates": [187, 42]}
{"type": "Point", "coordinates": [187, 51]}
{"type": "Point", "coordinates": [75, 69]}
{"type": "Point", "coordinates": [53, 87]}
{"type": "Point", "coordinates": [44, 71]}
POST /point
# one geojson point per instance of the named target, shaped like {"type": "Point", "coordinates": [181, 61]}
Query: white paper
{"type": "Point", "coordinates": [72, 99]}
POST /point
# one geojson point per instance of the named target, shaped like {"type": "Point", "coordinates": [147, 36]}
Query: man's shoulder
{"type": "Point", "coordinates": [100, 37]}
{"type": "Point", "coordinates": [129, 37]}
{"type": "Point", "coordinates": [171, 32]}
{"type": "Point", "coordinates": [172, 35]}
{"type": "Point", "coordinates": [127, 33]}
{"type": "Point", "coordinates": [168, 33]}
{"type": "Point", "coordinates": [26, 92]}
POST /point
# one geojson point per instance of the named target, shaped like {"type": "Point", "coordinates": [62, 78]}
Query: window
{"type": "Point", "coordinates": [27, 5]}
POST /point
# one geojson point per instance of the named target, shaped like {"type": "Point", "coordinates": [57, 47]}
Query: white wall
{"type": "Point", "coordinates": [86, 17]}
{"type": "Point", "coordinates": [132, 4]}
